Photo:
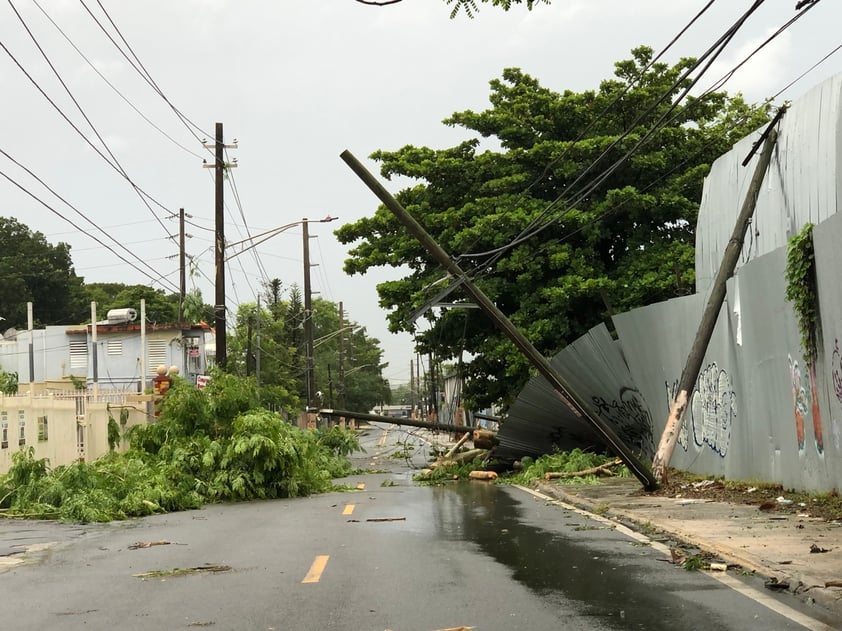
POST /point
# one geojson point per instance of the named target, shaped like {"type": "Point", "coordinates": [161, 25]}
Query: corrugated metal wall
{"type": "Point", "coordinates": [758, 411]}
{"type": "Point", "coordinates": [800, 187]}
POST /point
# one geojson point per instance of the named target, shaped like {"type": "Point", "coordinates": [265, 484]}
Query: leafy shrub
{"type": "Point", "coordinates": [207, 445]}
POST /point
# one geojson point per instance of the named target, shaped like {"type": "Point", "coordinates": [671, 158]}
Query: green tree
{"type": "Point", "coordinates": [33, 270]}
{"type": "Point", "coordinates": [605, 244]}
{"type": "Point", "coordinates": [282, 366]}
{"type": "Point", "coordinates": [470, 7]}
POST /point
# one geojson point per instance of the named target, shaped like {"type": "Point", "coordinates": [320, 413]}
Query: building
{"type": "Point", "coordinates": [72, 378]}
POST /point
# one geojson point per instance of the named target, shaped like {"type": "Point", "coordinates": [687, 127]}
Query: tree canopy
{"type": "Point", "coordinates": [349, 379]}
{"type": "Point", "coordinates": [33, 270]}
{"type": "Point", "coordinates": [596, 241]}
{"type": "Point", "coordinates": [468, 6]}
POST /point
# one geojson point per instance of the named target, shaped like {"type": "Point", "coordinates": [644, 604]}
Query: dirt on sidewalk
{"type": "Point", "coordinates": [792, 540]}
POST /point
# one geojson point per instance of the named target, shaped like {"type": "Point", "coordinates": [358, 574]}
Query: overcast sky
{"type": "Point", "coordinates": [296, 82]}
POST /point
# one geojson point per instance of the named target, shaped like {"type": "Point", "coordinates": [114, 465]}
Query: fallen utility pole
{"type": "Point", "coordinates": [669, 438]}
{"type": "Point", "coordinates": [577, 405]}
{"type": "Point", "coordinates": [394, 420]}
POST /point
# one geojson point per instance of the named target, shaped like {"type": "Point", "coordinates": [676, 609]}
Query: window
{"type": "Point", "coordinates": [156, 353]}
{"type": "Point", "coordinates": [21, 428]}
{"type": "Point", "coordinates": [4, 430]}
{"type": "Point", "coordinates": [43, 433]}
{"type": "Point", "coordinates": [114, 347]}
{"type": "Point", "coordinates": [78, 354]}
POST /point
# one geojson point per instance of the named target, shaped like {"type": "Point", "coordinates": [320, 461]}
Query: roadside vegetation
{"type": "Point", "coordinates": [564, 467]}
{"type": "Point", "coordinates": [211, 445]}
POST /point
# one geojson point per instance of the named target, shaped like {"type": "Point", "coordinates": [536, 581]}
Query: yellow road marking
{"type": "Point", "coordinates": [361, 486]}
{"type": "Point", "coordinates": [383, 438]}
{"type": "Point", "coordinates": [349, 509]}
{"type": "Point", "coordinates": [316, 569]}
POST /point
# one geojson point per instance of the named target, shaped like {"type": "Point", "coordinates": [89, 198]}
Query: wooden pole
{"type": "Point", "coordinates": [669, 438]}
{"type": "Point", "coordinates": [576, 404]}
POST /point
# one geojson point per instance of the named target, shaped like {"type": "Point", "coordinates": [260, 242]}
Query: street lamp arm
{"type": "Point", "coordinates": [268, 234]}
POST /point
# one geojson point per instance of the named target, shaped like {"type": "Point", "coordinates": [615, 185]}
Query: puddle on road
{"type": "Point", "coordinates": [600, 573]}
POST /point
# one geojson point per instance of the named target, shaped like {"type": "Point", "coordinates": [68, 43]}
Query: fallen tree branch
{"type": "Point", "coordinates": [456, 447]}
{"type": "Point", "coordinates": [603, 469]}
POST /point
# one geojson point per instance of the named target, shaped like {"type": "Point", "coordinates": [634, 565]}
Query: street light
{"type": "Point", "coordinates": [308, 312]}
{"type": "Point", "coordinates": [256, 240]}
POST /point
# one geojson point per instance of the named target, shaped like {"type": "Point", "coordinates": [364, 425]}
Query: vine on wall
{"type": "Point", "coordinates": [801, 289]}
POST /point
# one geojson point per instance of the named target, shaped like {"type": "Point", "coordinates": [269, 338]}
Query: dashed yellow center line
{"type": "Point", "coordinates": [361, 486]}
{"type": "Point", "coordinates": [349, 509]}
{"type": "Point", "coordinates": [316, 569]}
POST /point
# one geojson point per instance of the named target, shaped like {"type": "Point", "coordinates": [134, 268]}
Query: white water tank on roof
{"type": "Point", "coordinates": [121, 315]}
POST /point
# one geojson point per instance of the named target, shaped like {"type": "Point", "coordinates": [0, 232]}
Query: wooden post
{"type": "Point", "coordinates": [575, 403]}
{"type": "Point", "coordinates": [669, 438]}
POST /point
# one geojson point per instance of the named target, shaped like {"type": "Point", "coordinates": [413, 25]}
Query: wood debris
{"type": "Point", "coordinates": [148, 544]}
{"type": "Point", "coordinates": [603, 469]}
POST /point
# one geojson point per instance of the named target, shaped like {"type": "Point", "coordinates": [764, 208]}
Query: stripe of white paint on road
{"type": "Point", "coordinates": [749, 592]}
{"type": "Point", "coordinates": [315, 573]}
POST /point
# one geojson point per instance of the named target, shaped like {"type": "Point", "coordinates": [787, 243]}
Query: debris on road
{"type": "Point", "coordinates": [482, 475]}
{"type": "Point", "coordinates": [603, 469]}
{"type": "Point", "coordinates": [182, 571]}
{"type": "Point", "coordinates": [148, 544]}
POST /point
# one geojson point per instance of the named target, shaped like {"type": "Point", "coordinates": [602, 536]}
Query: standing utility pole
{"type": "Point", "coordinates": [219, 167]}
{"type": "Point", "coordinates": [341, 358]}
{"type": "Point", "coordinates": [669, 438]}
{"type": "Point", "coordinates": [308, 319]}
{"type": "Point", "coordinates": [181, 264]}
{"type": "Point", "coordinates": [257, 346]}
{"type": "Point", "coordinates": [576, 404]}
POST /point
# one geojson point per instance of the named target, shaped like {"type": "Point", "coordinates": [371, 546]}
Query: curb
{"type": "Point", "coordinates": [829, 599]}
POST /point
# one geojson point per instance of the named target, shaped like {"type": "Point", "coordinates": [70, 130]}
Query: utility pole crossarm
{"type": "Point", "coordinates": [578, 406]}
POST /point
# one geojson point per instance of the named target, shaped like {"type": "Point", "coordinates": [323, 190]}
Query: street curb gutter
{"type": "Point", "coordinates": [632, 523]}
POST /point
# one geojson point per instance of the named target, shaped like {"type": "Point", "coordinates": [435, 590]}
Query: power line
{"type": "Point", "coordinates": [60, 215]}
{"type": "Point", "coordinates": [114, 165]}
{"type": "Point", "coordinates": [112, 86]}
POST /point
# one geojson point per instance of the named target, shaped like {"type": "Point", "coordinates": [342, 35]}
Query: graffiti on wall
{"type": "Point", "coordinates": [630, 417]}
{"type": "Point", "coordinates": [711, 411]}
{"type": "Point", "coordinates": [807, 402]}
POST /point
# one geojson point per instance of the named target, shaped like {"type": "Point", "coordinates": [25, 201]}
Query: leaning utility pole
{"type": "Point", "coordinates": [730, 257]}
{"type": "Point", "coordinates": [575, 403]}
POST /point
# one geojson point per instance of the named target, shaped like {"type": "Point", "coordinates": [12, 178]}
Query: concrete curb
{"type": "Point", "coordinates": [808, 591]}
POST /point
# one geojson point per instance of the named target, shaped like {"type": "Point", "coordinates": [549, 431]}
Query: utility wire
{"type": "Point", "coordinates": [60, 215]}
{"type": "Point", "coordinates": [112, 86]}
{"type": "Point", "coordinates": [141, 69]}
{"type": "Point", "coordinates": [114, 166]}
{"type": "Point", "coordinates": [77, 211]}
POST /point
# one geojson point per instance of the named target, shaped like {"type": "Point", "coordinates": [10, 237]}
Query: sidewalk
{"type": "Point", "coordinates": [774, 546]}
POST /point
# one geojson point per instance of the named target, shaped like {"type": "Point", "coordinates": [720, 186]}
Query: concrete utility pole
{"type": "Point", "coordinates": [576, 404]}
{"type": "Point", "coordinates": [669, 438]}
{"type": "Point", "coordinates": [308, 319]}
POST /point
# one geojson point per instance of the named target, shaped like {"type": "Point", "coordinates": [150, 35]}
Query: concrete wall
{"type": "Point", "coordinates": [77, 425]}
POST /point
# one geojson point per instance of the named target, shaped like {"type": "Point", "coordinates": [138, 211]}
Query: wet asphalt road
{"type": "Point", "coordinates": [393, 555]}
